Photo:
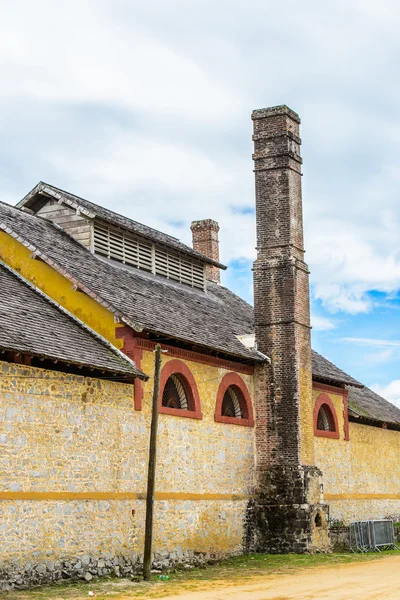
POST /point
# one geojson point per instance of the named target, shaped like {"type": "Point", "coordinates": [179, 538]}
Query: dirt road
{"type": "Point", "coordinates": [375, 580]}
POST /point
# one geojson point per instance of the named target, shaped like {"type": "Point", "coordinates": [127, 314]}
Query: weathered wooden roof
{"type": "Point", "coordinates": [142, 300]}
{"type": "Point", "coordinates": [362, 401]}
{"type": "Point", "coordinates": [31, 323]}
{"type": "Point", "coordinates": [365, 403]}
{"type": "Point", "coordinates": [42, 190]}
{"type": "Point", "coordinates": [325, 371]}
{"type": "Point", "coordinates": [212, 320]}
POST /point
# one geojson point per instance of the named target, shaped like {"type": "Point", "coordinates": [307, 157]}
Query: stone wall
{"type": "Point", "coordinates": [287, 513]}
{"type": "Point", "coordinates": [361, 474]}
{"type": "Point", "coordinates": [73, 461]}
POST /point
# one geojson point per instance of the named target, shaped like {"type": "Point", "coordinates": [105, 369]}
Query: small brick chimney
{"type": "Point", "coordinates": [205, 240]}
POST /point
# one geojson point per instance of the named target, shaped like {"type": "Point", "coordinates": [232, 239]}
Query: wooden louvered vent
{"type": "Point", "coordinates": [122, 247]}
{"type": "Point", "coordinates": [142, 254]}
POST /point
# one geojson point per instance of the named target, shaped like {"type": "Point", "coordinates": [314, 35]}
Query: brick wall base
{"type": "Point", "coordinates": [285, 514]}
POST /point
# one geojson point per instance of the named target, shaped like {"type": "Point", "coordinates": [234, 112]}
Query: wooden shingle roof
{"type": "Point", "coordinates": [32, 324]}
{"type": "Point", "coordinates": [140, 299]}
{"type": "Point", "coordinates": [362, 401]}
{"type": "Point", "coordinates": [325, 371]}
{"type": "Point", "coordinates": [212, 320]}
{"type": "Point", "coordinates": [365, 403]}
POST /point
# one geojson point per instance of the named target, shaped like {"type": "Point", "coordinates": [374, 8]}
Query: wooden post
{"type": "Point", "coordinates": [148, 535]}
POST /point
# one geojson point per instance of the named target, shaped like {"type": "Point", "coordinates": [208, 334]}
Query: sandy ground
{"type": "Point", "coordinates": [375, 580]}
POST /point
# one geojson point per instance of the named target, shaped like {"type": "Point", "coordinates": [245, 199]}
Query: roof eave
{"type": "Point", "coordinates": [56, 359]}
{"type": "Point", "coordinates": [357, 415]}
{"type": "Point", "coordinates": [254, 357]}
{"type": "Point", "coordinates": [341, 383]}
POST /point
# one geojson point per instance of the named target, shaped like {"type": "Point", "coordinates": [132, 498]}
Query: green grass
{"type": "Point", "coordinates": [234, 570]}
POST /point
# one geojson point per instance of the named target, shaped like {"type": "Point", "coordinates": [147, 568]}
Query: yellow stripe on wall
{"type": "Point", "coordinates": [168, 496]}
{"type": "Point", "coordinates": [116, 496]}
{"type": "Point", "coordinates": [336, 497]}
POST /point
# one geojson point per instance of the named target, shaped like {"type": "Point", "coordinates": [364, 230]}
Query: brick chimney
{"type": "Point", "coordinates": [286, 476]}
{"type": "Point", "coordinates": [281, 292]}
{"type": "Point", "coordinates": [205, 240]}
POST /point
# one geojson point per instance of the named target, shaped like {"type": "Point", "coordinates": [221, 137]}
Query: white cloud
{"type": "Point", "coordinates": [101, 61]}
{"type": "Point", "coordinates": [382, 357]}
{"type": "Point", "coordinates": [146, 108]}
{"type": "Point", "coordinates": [391, 391]}
{"type": "Point", "coordinates": [373, 342]}
{"type": "Point", "coordinates": [179, 179]}
{"type": "Point", "coordinates": [321, 323]}
{"type": "Point", "coordinates": [383, 351]}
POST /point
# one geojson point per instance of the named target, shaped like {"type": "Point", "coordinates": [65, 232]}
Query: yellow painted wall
{"type": "Point", "coordinates": [73, 463]}
{"type": "Point", "coordinates": [305, 418]}
{"type": "Point", "coordinates": [201, 451]}
{"type": "Point", "coordinates": [47, 279]}
{"type": "Point", "coordinates": [361, 476]}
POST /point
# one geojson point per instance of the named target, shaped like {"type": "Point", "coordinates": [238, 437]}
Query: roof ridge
{"type": "Point", "coordinates": [95, 204]}
{"type": "Point", "coordinates": [74, 318]}
{"type": "Point", "coordinates": [108, 215]}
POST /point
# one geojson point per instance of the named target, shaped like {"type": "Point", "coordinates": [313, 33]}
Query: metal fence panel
{"type": "Point", "coordinates": [383, 533]}
{"type": "Point", "coordinates": [367, 536]}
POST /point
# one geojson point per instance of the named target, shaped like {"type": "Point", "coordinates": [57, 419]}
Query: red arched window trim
{"type": "Point", "coordinates": [228, 380]}
{"type": "Point", "coordinates": [178, 367]}
{"type": "Point", "coordinates": [324, 399]}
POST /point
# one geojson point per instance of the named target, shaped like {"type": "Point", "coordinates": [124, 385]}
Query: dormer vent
{"type": "Point", "coordinates": [122, 246]}
{"type": "Point", "coordinates": [145, 255]}
{"type": "Point", "coordinates": [107, 233]}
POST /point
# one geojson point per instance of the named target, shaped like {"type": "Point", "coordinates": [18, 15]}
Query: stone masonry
{"type": "Point", "coordinates": [288, 485]}
{"type": "Point", "coordinates": [73, 458]}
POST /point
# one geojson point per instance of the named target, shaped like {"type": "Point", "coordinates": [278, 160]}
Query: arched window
{"type": "Point", "coordinates": [233, 404]}
{"type": "Point", "coordinates": [178, 391]}
{"type": "Point", "coordinates": [174, 394]}
{"type": "Point", "coordinates": [325, 418]}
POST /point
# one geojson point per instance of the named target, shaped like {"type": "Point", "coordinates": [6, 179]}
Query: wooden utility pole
{"type": "Point", "coordinates": [148, 534]}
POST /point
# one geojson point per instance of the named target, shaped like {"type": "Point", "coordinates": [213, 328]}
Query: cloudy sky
{"type": "Point", "coordinates": [145, 107]}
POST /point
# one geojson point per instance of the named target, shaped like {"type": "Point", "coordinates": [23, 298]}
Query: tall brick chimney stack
{"type": "Point", "coordinates": [281, 291]}
{"type": "Point", "coordinates": [288, 483]}
{"type": "Point", "coordinates": [205, 240]}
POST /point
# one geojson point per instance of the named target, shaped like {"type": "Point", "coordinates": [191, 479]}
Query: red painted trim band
{"type": "Point", "coordinates": [197, 357]}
